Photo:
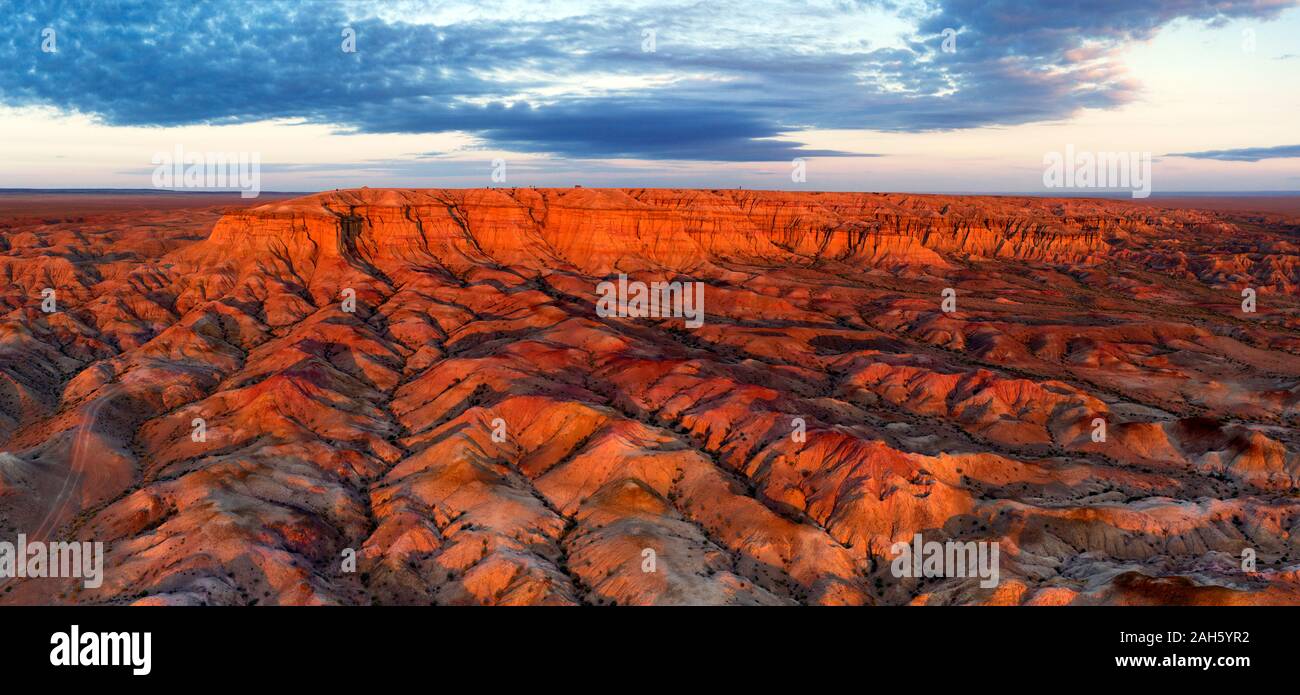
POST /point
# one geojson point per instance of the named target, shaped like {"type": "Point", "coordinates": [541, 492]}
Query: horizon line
{"type": "Point", "coordinates": [1116, 193]}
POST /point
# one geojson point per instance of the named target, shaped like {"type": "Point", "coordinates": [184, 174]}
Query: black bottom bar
{"type": "Point", "coordinates": [239, 646]}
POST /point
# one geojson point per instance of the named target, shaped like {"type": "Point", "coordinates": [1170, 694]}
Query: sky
{"type": "Point", "coordinates": [921, 96]}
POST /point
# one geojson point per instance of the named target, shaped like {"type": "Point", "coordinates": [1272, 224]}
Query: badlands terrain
{"type": "Point", "coordinates": [204, 402]}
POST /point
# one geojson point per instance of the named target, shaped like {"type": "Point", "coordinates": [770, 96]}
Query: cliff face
{"type": "Point", "coordinates": [594, 230]}
{"type": "Point", "coordinates": [419, 380]}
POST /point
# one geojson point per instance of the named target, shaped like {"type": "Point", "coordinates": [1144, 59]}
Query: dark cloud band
{"type": "Point", "coordinates": [1244, 154]}
{"type": "Point", "coordinates": [172, 63]}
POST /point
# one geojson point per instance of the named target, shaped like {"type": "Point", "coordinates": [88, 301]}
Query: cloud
{"type": "Point", "coordinates": [719, 86]}
{"type": "Point", "coordinates": [1244, 154]}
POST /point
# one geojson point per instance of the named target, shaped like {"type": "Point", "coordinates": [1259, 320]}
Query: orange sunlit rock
{"type": "Point", "coordinates": [473, 431]}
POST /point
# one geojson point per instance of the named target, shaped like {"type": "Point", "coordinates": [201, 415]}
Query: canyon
{"type": "Point", "coordinates": [407, 396]}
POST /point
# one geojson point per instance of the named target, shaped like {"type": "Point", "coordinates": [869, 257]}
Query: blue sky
{"type": "Point", "coordinates": [713, 94]}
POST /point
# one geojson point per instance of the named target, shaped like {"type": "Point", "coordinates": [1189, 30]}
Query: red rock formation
{"type": "Point", "coordinates": [476, 432]}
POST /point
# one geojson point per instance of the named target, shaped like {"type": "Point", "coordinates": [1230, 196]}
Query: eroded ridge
{"type": "Point", "coordinates": [469, 429]}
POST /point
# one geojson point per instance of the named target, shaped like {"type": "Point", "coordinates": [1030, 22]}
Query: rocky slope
{"type": "Point", "coordinates": [474, 431]}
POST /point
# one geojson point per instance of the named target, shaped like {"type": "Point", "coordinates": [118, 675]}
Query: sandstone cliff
{"type": "Point", "coordinates": [475, 432]}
